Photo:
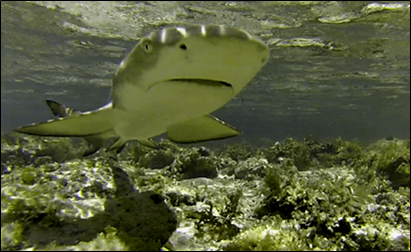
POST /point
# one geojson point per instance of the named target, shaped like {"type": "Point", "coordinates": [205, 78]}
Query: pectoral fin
{"type": "Point", "coordinates": [200, 129]}
{"type": "Point", "coordinates": [148, 143]}
{"type": "Point", "coordinates": [84, 124]}
{"type": "Point", "coordinates": [95, 142]}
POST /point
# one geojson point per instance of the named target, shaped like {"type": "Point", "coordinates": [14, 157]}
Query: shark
{"type": "Point", "coordinates": [171, 82]}
{"type": "Point", "coordinates": [95, 142]}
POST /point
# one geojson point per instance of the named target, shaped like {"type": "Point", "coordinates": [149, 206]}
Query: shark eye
{"type": "Point", "coordinates": [183, 47]}
{"type": "Point", "coordinates": [147, 46]}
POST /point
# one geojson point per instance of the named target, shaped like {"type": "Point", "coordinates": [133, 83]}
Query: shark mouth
{"type": "Point", "coordinates": [205, 82]}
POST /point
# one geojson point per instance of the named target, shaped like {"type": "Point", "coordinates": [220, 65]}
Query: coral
{"type": "Point", "coordinates": [157, 159]}
{"type": "Point", "coordinates": [271, 235]}
{"type": "Point", "coordinates": [335, 152]}
{"type": "Point", "coordinates": [238, 152]}
{"type": "Point", "coordinates": [296, 152]}
{"type": "Point", "coordinates": [392, 159]}
{"type": "Point", "coordinates": [199, 167]}
{"type": "Point", "coordinates": [331, 204]}
{"type": "Point", "coordinates": [249, 169]}
{"type": "Point", "coordinates": [58, 205]}
{"type": "Point", "coordinates": [293, 195]}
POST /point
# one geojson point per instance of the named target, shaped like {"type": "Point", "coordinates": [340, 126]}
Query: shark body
{"type": "Point", "coordinates": [170, 82]}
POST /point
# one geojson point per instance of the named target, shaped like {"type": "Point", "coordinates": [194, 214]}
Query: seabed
{"type": "Point", "coordinates": [305, 194]}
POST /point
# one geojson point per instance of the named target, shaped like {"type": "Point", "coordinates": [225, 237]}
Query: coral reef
{"type": "Point", "coordinates": [291, 195]}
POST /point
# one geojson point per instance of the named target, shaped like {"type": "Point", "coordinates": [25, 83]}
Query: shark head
{"type": "Point", "coordinates": [212, 56]}
{"type": "Point", "coordinates": [170, 82]}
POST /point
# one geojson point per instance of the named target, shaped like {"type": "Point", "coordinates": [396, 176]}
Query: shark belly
{"type": "Point", "coordinates": [147, 113]}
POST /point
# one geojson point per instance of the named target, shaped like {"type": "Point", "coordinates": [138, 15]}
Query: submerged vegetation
{"type": "Point", "coordinates": [291, 195]}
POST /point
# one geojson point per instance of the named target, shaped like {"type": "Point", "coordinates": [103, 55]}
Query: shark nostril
{"type": "Point", "coordinates": [183, 47]}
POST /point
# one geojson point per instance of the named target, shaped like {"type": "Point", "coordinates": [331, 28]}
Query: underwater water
{"type": "Point", "coordinates": [323, 161]}
{"type": "Point", "coordinates": [336, 69]}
